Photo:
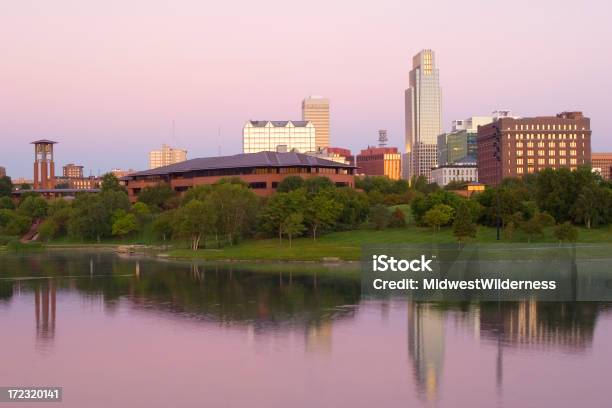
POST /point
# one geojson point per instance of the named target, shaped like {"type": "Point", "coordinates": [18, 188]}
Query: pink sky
{"type": "Point", "coordinates": [106, 79]}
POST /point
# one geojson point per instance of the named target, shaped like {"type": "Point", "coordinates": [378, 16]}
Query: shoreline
{"type": "Point", "coordinates": [157, 253]}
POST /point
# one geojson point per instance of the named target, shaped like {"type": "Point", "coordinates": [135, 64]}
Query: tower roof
{"type": "Point", "coordinates": [43, 141]}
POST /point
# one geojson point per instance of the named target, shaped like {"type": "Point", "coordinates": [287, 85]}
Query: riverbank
{"type": "Point", "coordinates": [346, 246]}
{"type": "Point", "coordinates": [333, 247]}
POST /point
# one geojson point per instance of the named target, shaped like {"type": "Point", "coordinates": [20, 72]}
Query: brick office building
{"type": "Point", "coordinates": [513, 147]}
{"type": "Point", "coordinates": [261, 171]}
{"type": "Point", "coordinates": [602, 163]}
{"type": "Point", "coordinates": [380, 161]}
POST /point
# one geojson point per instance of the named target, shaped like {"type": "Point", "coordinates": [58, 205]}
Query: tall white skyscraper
{"type": "Point", "coordinates": [423, 110]}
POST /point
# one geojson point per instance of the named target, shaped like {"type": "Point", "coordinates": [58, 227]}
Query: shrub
{"type": "Point", "coordinates": [398, 218]}
{"type": "Point", "coordinates": [566, 232]}
{"type": "Point", "coordinates": [379, 217]}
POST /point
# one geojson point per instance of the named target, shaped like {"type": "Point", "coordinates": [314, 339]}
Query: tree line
{"type": "Point", "coordinates": [228, 211]}
{"type": "Point", "coordinates": [214, 215]}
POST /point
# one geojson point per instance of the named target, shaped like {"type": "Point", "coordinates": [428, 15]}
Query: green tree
{"type": "Point", "coordinates": [290, 183]}
{"type": "Point", "coordinates": [463, 226]}
{"type": "Point", "coordinates": [13, 222]}
{"type": "Point", "coordinates": [91, 217]}
{"type": "Point", "coordinates": [125, 225]}
{"type": "Point", "coordinates": [163, 224]}
{"type": "Point", "coordinates": [536, 224]}
{"type": "Point", "coordinates": [34, 207]}
{"type": "Point", "coordinates": [6, 186]}
{"type": "Point", "coordinates": [314, 185]}
{"type": "Point", "coordinates": [321, 211]}
{"type": "Point", "coordinates": [566, 232]}
{"type": "Point", "coordinates": [423, 203]}
{"type": "Point", "coordinates": [587, 208]}
{"type": "Point", "coordinates": [293, 226]}
{"type": "Point", "coordinates": [6, 203]}
{"type": "Point", "coordinates": [60, 212]}
{"type": "Point", "coordinates": [114, 200]}
{"type": "Point", "coordinates": [110, 182]}
{"type": "Point", "coordinates": [142, 213]}
{"type": "Point", "coordinates": [419, 183]}
{"type": "Point", "coordinates": [156, 196]}
{"type": "Point", "coordinates": [197, 193]}
{"type": "Point", "coordinates": [509, 229]}
{"type": "Point", "coordinates": [236, 207]}
{"type": "Point", "coordinates": [398, 218]}
{"type": "Point", "coordinates": [379, 217]}
{"type": "Point", "coordinates": [195, 220]}
{"type": "Point", "coordinates": [439, 215]}
{"type": "Point", "coordinates": [278, 208]}
{"type": "Point", "coordinates": [355, 208]}
{"type": "Point", "coordinates": [48, 229]}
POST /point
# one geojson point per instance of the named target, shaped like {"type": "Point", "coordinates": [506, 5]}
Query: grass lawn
{"type": "Point", "coordinates": [347, 245]}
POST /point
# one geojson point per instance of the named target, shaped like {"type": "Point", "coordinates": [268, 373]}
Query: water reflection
{"type": "Point", "coordinates": [426, 346]}
{"type": "Point", "coordinates": [311, 304]}
{"type": "Point", "coordinates": [45, 306]}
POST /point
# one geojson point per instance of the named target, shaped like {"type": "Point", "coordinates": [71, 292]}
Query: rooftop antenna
{"type": "Point", "coordinates": [382, 138]}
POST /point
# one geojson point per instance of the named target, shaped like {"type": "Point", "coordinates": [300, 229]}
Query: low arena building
{"type": "Point", "coordinates": [261, 171]}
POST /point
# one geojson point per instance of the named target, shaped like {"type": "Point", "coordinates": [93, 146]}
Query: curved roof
{"type": "Point", "coordinates": [244, 160]}
{"type": "Point", "coordinates": [45, 141]}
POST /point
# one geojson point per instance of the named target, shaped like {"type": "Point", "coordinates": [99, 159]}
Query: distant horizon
{"type": "Point", "coordinates": [108, 82]}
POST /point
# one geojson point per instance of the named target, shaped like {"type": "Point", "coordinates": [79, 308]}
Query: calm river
{"type": "Point", "coordinates": [135, 332]}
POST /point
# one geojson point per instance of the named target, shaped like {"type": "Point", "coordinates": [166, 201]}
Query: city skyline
{"type": "Point", "coordinates": [119, 90]}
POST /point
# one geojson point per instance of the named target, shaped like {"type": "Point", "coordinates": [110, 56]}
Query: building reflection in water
{"type": "Point", "coordinates": [524, 324]}
{"type": "Point", "coordinates": [319, 337]}
{"type": "Point", "coordinates": [45, 310]}
{"type": "Point", "coordinates": [426, 346]}
{"type": "Point", "coordinates": [540, 324]}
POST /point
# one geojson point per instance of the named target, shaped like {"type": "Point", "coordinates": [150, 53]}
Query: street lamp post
{"type": "Point", "coordinates": [497, 157]}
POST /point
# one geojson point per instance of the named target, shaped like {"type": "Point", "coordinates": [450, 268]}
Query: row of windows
{"type": "Point", "coordinates": [543, 144]}
{"type": "Point", "coordinates": [542, 161]}
{"type": "Point", "coordinates": [548, 126]}
{"type": "Point", "coordinates": [554, 136]}
{"type": "Point", "coordinates": [543, 152]}
{"type": "Point", "coordinates": [247, 171]}
{"type": "Point", "coordinates": [521, 170]}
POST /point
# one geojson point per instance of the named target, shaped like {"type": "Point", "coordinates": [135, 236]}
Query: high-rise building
{"type": "Point", "coordinates": [423, 116]}
{"type": "Point", "coordinates": [2, 172]}
{"type": "Point", "coordinates": [278, 136]}
{"type": "Point", "coordinates": [380, 161]}
{"type": "Point", "coordinates": [460, 142]}
{"type": "Point", "coordinates": [316, 110]}
{"type": "Point", "coordinates": [513, 147]}
{"type": "Point", "coordinates": [44, 166]}
{"type": "Point", "coordinates": [166, 156]}
{"type": "Point", "coordinates": [71, 170]}
{"type": "Point", "coordinates": [602, 164]}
